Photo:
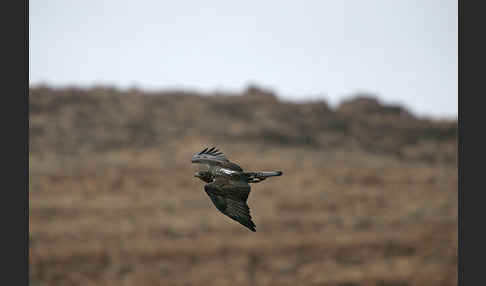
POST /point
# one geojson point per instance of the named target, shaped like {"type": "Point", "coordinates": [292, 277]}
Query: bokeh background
{"type": "Point", "coordinates": [356, 102]}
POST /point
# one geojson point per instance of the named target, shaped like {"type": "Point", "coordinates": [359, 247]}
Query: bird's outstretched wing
{"type": "Point", "coordinates": [210, 156]}
{"type": "Point", "coordinates": [231, 201]}
{"type": "Point", "coordinates": [214, 157]}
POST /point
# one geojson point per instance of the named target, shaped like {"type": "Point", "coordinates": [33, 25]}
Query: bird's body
{"type": "Point", "coordinates": [228, 186]}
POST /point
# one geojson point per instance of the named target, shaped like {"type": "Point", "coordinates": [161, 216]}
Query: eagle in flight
{"type": "Point", "coordinates": [228, 186]}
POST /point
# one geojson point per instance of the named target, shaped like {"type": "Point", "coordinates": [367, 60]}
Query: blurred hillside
{"type": "Point", "coordinates": [70, 121]}
{"type": "Point", "coordinates": [368, 195]}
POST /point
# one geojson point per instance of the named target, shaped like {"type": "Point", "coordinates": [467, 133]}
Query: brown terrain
{"type": "Point", "coordinates": [368, 194]}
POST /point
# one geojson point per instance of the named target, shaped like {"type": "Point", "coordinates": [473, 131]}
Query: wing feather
{"type": "Point", "coordinates": [231, 201]}
{"type": "Point", "coordinates": [214, 157]}
{"type": "Point", "coordinates": [210, 156]}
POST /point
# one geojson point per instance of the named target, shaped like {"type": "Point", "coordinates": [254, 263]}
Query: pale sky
{"type": "Point", "coordinates": [403, 51]}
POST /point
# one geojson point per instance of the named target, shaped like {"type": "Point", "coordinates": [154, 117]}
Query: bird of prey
{"type": "Point", "coordinates": [228, 186]}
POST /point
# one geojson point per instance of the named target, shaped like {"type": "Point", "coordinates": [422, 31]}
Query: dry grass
{"type": "Point", "coordinates": [132, 213]}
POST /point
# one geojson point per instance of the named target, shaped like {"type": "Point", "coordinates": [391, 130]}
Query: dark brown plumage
{"type": "Point", "coordinates": [228, 186]}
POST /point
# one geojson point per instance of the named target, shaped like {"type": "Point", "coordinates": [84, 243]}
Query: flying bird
{"type": "Point", "coordinates": [228, 186]}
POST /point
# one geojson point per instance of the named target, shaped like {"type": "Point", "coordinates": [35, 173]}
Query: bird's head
{"type": "Point", "coordinates": [204, 175]}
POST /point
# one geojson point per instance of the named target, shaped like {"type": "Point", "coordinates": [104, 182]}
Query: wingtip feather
{"type": "Point", "coordinates": [204, 150]}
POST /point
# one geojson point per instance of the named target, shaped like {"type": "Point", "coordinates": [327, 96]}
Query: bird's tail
{"type": "Point", "coordinates": [255, 177]}
{"type": "Point", "coordinates": [269, 174]}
